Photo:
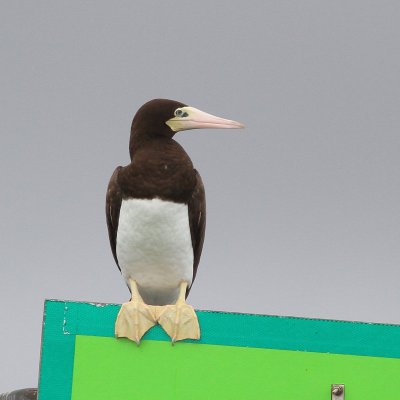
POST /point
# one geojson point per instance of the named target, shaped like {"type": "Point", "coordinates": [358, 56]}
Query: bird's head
{"type": "Point", "coordinates": [163, 117]}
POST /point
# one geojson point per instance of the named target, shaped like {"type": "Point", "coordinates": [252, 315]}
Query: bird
{"type": "Point", "coordinates": [156, 219]}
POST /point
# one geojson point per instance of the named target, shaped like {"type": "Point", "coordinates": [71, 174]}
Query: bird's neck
{"type": "Point", "coordinates": [140, 138]}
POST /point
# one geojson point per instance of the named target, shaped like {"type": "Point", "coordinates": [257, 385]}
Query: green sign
{"type": "Point", "coordinates": [239, 356]}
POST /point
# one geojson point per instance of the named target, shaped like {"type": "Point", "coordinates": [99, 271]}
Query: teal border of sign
{"type": "Point", "coordinates": [63, 320]}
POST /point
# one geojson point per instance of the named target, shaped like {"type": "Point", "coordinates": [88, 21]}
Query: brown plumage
{"type": "Point", "coordinates": [159, 168]}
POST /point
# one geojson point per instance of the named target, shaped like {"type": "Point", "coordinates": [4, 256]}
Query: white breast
{"type": "Point", "coordinates": [154, 247]}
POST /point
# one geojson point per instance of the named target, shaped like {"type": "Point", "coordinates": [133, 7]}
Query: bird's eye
{"type": "Point", "coordinates": [180, 113]}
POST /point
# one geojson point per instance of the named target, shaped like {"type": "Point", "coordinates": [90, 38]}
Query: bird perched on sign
{"type": "Point", "coordinates": [156, 217]}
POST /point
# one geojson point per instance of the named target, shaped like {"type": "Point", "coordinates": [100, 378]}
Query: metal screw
{"type": "Point", "coordinates": [337, 392]}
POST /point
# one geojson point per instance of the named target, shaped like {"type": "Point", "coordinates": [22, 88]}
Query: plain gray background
{"type": "Point", "coordinates": [303, 205]}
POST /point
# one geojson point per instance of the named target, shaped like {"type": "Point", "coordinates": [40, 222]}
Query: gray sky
{"type": "Point", "coordinates": [303, 205]}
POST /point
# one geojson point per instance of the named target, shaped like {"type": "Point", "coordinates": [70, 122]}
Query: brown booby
{"type": "Point", "coordinates": [156, 216]}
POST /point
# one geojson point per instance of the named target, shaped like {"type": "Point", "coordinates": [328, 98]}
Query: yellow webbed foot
{"type": "Point", "coordinates": [180, 321]}
{"type": "Point", "coordinates": [135, 318]}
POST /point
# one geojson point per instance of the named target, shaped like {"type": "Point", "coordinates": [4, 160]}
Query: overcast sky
{"type": "Point", "coordinates": [303, 205]}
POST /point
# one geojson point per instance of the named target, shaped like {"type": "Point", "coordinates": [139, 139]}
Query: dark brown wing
{"type": "Point", "coordinates": [113, 206]}
{"type": "Point", "coordinates": [197, 222]}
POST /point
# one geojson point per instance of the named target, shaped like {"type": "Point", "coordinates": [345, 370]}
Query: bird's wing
{"type": "Point", "coordinates": [113, 206]}
{"type": "Point", "coordinates": [197, 222]}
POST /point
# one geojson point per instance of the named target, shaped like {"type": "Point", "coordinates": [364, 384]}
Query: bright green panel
{"type": "Point", "coordinates": [106, 368]}
{"type": "Point", "coordinates": [63, 320]}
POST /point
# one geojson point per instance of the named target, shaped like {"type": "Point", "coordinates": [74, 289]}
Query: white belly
{"type": "Point", "coordinates": [154, 247]}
